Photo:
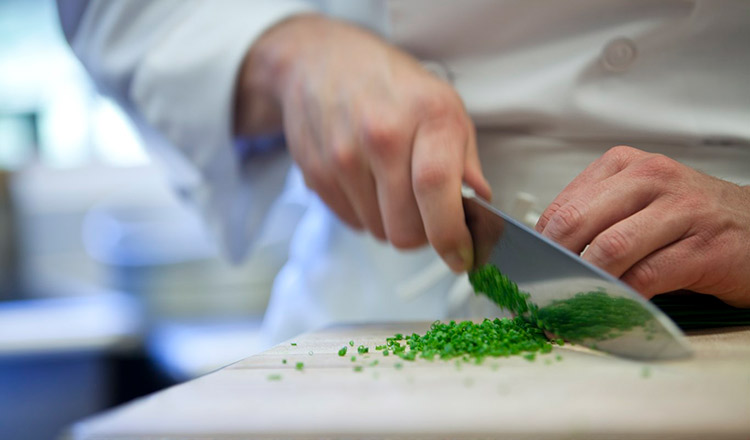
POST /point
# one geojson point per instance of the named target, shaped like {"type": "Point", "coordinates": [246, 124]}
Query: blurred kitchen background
{"type": "Point", "coordinates": [109, 287]}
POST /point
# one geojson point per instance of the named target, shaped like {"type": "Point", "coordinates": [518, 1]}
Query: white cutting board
{"type": "Point", "coordinates": [585, 395]}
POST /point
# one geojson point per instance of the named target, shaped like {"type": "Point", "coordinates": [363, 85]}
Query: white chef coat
{"type": "Point", "coordinates": [550, 85]}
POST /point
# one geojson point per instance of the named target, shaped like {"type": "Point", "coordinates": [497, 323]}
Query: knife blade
{"type": "Point", "coordinates": [577, 301]}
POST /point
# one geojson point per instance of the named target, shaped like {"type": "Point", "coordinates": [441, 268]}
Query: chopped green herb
{"type": "Point", "coordinates": [646, 372]}
{"type": "Point", "coordinates": [386, 352]}
{"type": "Point", "coordinates": [299, 366]}
{"type": "Point", "coordinates": [342, 351]}
{"type": "Point", "coordinates": [351, 343]}
{"type": "Point", "coordinates": [398, 365]}
{"type": "Point", "coordinates": [530, 357]}
{"type": "Point", "coordinates": [373, 363]}
{"type": "Point", "coordinates": [380, 347]}
{"type": "Point", "coordinates": [283, 361]}
{"type": "Point", "coordinates": [362, 349]}
{"type": "Point", "coordinates": [353, 358]}
{"type": "Point", "coordinates": [274, 377]}
{"type": "Point", "coordinates": [471, 341]}
{"type": "Point", "coordinates": [294, 344]}
{"type": "Point", "coordinates": [558, 358]}
{"type": "Point", "coordinates": [358, 368]}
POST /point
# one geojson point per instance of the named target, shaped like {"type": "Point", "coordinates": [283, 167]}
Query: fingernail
{"type": "Point", "coordinates": [455, 262]}
{"type": "Point", "coordinates": [467, 255]}
{"type": "Point", "coordinates": [459, 261]}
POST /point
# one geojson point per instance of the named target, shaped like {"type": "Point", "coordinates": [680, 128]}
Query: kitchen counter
{"type": "Point", "coordinates": [582, 395]}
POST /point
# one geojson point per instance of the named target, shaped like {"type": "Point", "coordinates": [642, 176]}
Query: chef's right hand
{"type": "Point", "coordinates": [383, 142]}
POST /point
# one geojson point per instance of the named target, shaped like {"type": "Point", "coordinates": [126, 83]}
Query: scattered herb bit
{"type": "Point", "coordinates": [353, 358]}
{"type": "Point", "coordinates": [358, 368]}
{"type": "Point", "coordinates": [558, 358]}
{"type": "Point", "coordinates": [342, 351]}
{"type": "Point", "coordinates": [373, 363]}
{"type": "Point", "coordinates": [398, 336]}
{"type": "Point", "coordinates": [386, 352]}
{"type": "Point", "coordinates": [646, 372]}
{"type": "Point", "coordinates": [380, 347]}
{"type": "Point", "coordinates": [274, 377]}
{"type": "Point", "coordinates": [283, 361]}
{"type": "Point", "coordinates": [362, 349]}
{"type": "Point", "coordinates": [530, 357]}
{"type": "Point", "coordinates": [294, 344]}
{"type": "Point", "coordinates": [299, 366]}
{"type": "Point", "coordinates": [351, 343]}
{"type": "Point", "coordinates": [398, 365]}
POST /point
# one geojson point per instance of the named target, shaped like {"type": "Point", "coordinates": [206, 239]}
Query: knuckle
{"type": "Point", "coordinates": [620, 152]}
{"type": "Point", "coordinates": [564, 222]}
{"type": "Point", "coordinates": [407, 239]}
{"type": "Point", "coordinates": [658, 167]}
{"type": "Point", "coordinates": [642, 277]}
{"type": "Point", "coordinates": [428, 178]}
{"type": "Point", "coordinates": [620, 155]}
{"type": "Point", "coordinates": [544, 219]}
{"type": "Point", "coordinates": [439, 103]}
{"type": "Point", "coordinates": [345, 158]}
{"type": "Point", "coordinates": [609, 247]}
{"type": "Point", "coordinates": [382, 136]}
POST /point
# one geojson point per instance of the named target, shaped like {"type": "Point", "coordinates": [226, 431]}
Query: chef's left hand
{"type": "Point", "coordinates": [657, 224]}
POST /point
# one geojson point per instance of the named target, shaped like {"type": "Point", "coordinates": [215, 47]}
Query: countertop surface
{"type": "Point", "coordinates": [569, 393]}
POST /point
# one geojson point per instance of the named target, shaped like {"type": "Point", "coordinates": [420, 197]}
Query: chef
{"type": "Point", "coordinates": [334, 136]}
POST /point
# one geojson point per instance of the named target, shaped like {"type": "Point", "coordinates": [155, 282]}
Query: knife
{"type": "Point", "coordinates": [576, 300]}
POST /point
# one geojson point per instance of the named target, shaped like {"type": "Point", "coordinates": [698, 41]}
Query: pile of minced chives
{"type": "Point", "coordinates": [471, 341]}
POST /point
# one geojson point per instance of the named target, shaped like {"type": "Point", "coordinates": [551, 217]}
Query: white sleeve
{"type": "Point", "coordinates": [172, 64]}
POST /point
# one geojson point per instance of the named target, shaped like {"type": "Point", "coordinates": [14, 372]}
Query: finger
{"type": "Point", "coordinates": [629, 241]}
{"type": "Point", "coordinates": [329, 191]}
{"type": "Point", "coordinates": [473, 175]}
{"type": "Point", "coordinates": [356, 181]}
{"type": "Point", "coordinates": [306, 152]}
{"type": "Point", "coordinates": [437, 172]}
{"type": "Point", "coordinates": [609, 164]}
{"type": "Point", "coordinates": [596, 208]}
{"type": "Point", "coordinates": [671, 268]}
{"type": "Point", "coordinates": [387, 146]}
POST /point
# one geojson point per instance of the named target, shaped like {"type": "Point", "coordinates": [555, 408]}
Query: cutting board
{"type": "Point", "coordinates": [583, 395]}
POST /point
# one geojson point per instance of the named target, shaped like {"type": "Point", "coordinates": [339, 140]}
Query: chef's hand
{"type": "Point", "coordinates": [657, 224]}
{"type": "Point", "coordinates": [383, 142]}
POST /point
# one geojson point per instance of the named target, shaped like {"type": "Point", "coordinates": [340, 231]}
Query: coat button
{"type": "Point", "coordinates": [618, 54]}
